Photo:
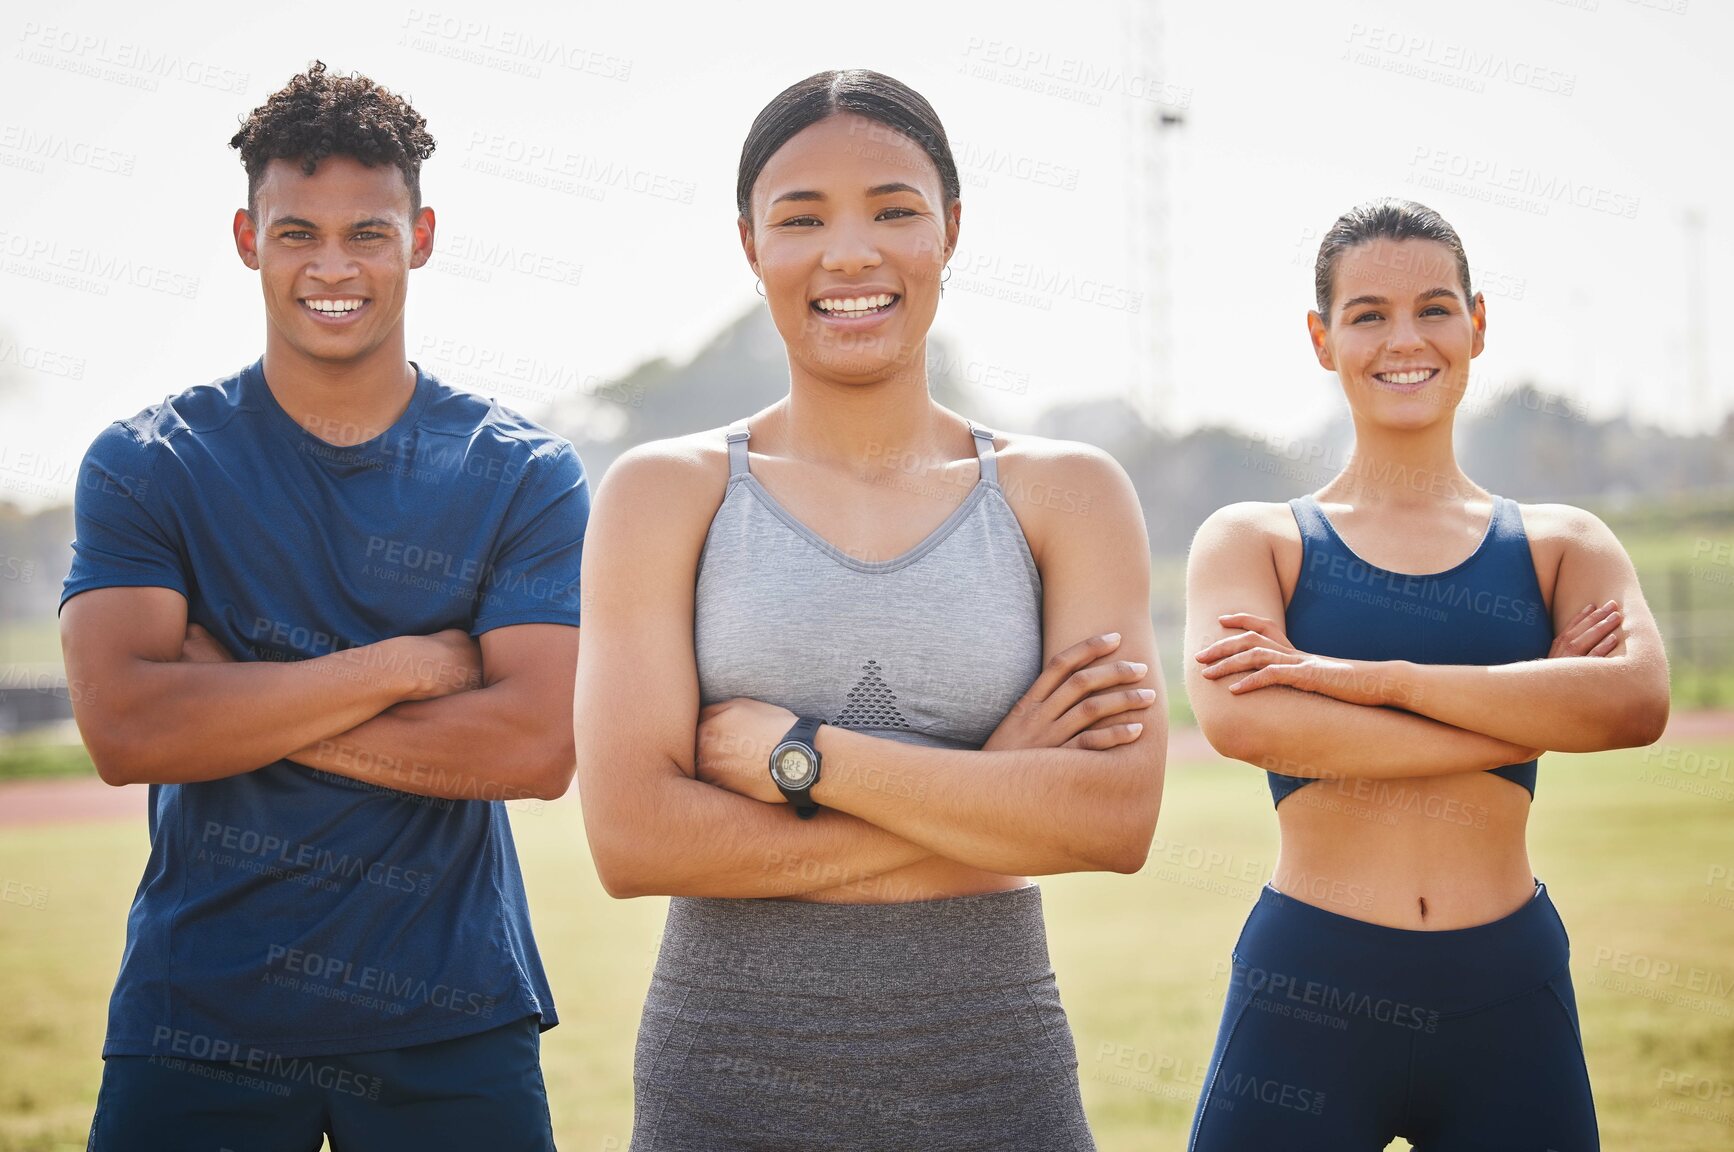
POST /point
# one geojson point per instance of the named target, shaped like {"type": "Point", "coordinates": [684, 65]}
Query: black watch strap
{"type": "Point", "coordinates": [805, 729]}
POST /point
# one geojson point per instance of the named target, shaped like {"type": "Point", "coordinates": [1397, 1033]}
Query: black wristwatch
{"type": "Point", "coordinates": [795, 766]}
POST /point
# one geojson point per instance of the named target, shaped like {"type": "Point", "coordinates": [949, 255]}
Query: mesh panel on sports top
{"type": "Point", "coordinates": [872, 703]}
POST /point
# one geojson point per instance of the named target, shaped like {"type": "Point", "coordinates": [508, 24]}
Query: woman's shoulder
{"type": "Point", "coordinates": [1562, 524]}
{"type": "Point", "coordinates": [1047, 451]}
{"type": "Point", "coordinates": [1066, 494]}
{"type": "Point", "coordinates": [694, 458]}
{"type": "Point", "coordinates": [1042, 472]}
{"type": "Point", "coordinates": [1558, 532]}
{"type": "Point", "coordinates": [1267, 521]}
{"type": "Point", "coordinates": [670, 476]}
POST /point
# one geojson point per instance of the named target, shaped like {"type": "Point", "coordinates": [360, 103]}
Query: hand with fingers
{"type": "Point", "coordinates": [439, 664]}
{"type": "Point", "coordinates": [200, 647]}
{"type": "Point", "coordinates": [1261, 648]}
{"type": "Point", "coordinates": [1070, 695]}
{"type": "Point", "coordinates": [1260, 653]}
{"type": "Point", "coordinates": [1592, 632]}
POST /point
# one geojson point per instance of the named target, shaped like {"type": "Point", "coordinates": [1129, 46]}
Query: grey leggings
{"type": "Point", "coordinates": [775, 1025]}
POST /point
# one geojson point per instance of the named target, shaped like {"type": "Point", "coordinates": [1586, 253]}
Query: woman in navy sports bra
{"type": "Point", "coordinates": [1395, 650]}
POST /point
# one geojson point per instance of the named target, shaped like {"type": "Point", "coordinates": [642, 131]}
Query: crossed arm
{"type": "Point", "coordinates": [1260, 700]}
{"type": "Point", "coordinates": [433, 715]}
{"type": "Point", "coordinates": [671, 810]}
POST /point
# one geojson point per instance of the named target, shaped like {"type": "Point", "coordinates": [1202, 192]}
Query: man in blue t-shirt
{"type": "Point", "coordinates": [327, 609]}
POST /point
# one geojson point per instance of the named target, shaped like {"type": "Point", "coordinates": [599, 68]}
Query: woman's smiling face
{"type": "Point", "coordinates": [1401, 332]}
{"type": "Point", "coordinates": [850, 232]}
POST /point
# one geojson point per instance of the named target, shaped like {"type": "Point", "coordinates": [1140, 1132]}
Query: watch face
{"type": "Point", "coordinates": [794, 767]}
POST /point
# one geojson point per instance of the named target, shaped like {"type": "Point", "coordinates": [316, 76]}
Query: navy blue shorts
{"type": "Point", "coordinates": [479, 1091]}
{"type": "Point", "coordinates": [1339, 1035]}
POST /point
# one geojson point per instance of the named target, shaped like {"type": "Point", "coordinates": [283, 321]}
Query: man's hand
{"type": "Point", "coordinates": [431, 666]}
{"type": "Point", "coordinates": [438, 665]}
{"type": "Point", "coordinates": [200, 647]}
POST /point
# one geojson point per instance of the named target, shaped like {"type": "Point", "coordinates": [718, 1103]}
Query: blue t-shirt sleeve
{"type": "Point", "coordinates": [533, 577]}
{"type": "Point", "coordinates": [120, 538]}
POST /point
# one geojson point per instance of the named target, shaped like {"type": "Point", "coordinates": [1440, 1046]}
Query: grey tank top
{"type": "Point", "coordinates": [932, 647]}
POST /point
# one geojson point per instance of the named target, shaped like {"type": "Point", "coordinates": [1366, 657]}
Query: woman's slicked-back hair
{"type": "Point", "coordinates": [866, 93]}
{"type": "Point", "coordinates": [1388, 219]}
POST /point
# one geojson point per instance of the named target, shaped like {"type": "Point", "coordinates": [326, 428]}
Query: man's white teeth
{"type": "Point", "coordinates": [855, 305]}
{"type": "Point", "coordinates": [1414, 377]}
{"type": "Point", "coordinates": [334, 307]}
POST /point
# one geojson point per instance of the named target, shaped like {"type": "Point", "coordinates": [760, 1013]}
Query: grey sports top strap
{"type": "Point", "coordinates": [738, 434]}
{"type": "Point", "coordinates": [984, 452]}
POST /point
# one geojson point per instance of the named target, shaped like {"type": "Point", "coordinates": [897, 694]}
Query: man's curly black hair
{"type": "Point", "coordinates": [318, 115]}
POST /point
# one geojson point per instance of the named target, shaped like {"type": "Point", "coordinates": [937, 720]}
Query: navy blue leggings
{"type": "Point", "coordinates": [1339, 1035]}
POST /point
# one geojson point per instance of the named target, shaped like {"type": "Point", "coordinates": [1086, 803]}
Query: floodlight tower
{"type": "Point", "coordinates": [1154, 109]}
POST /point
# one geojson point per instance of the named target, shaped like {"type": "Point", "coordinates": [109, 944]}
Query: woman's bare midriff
{"type": "Point", "coordinates": [1421, 852]}
{"type": "Point", "coordinates": [925, 880]}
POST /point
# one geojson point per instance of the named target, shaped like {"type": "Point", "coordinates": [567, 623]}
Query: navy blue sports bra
{"type": "Point", "coordinates": [1486, 610]}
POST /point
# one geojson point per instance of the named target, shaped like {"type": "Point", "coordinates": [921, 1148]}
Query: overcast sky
{"type": "Point", "coordinates": [585, 173]}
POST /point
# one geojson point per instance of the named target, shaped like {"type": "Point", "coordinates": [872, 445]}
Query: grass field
{"type": "Point", "coordinates": [30, 642]}
{"type": "Point", "coordinates": [1635, 848]}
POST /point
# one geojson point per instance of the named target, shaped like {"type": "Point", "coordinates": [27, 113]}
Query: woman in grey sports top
{"type": "Point", "coordinates": [966, 660]}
